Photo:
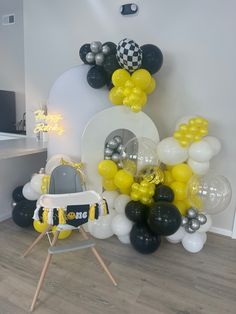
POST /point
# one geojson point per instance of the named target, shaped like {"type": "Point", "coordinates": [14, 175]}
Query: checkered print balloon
{"type": "Point", "coordinates": [129, 55]}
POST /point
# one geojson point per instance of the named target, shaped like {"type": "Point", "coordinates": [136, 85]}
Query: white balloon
{"type": "Point", "coordinates": [199, 168]}
{"type": "Point", "coordinates": [200, 151]}
{"type": "Point", "coordinates": [177, 236]}
{"type": "Point", "coordinates": [29, 193]}
{"type": "Point", "coordinates": [207, 226]}
{"type": "Point", "coordinates": [124, 239]}
{"type": "Point", "coordinates": [36, 182]}
{"type": "Point", "coordinates": [204, 236]}
{"type": "Point", "coordinates": [183, 120]}
{"type": "Point", "coordinates": [101, 228]}
{"type": "Point", "coordinates": [193, 242]}
{"type": "Point", "coordinates": [170, 152]}
{"type": "Point", "coordinates": [120, 203]}
{"type": "Point", "coordinates": [54, 162]}
{"type": "Point", "coordinates": [214, 143]}
{"type": "Point", "coordinates": [121, 225]}
{"type": "Point", "coordinates": [110, 197]}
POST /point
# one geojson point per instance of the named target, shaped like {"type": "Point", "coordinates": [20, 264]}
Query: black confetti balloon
{"type": "Point", "coordinates": [164, 218]}
{"type": "Point", "coordinates": [163, 193]}
{"type": "Point", "coordinates": [97, 77]}
{"type": "Point", "coordinates": [83, 52]}
{"type": "Point", "coordinates": [143, 239]}
{"type": "Point", "coordinates": [152, 58]}
{"type": "Point", "coordinates": [136, 211]}
{"type": "Point", "coordinates": [23, 212]}
{"type": "Point", "coordinates": [17, 194]}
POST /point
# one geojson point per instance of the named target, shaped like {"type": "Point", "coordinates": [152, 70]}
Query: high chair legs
{"type": "Point", "coordinates": [98, 257]}
{"type": "Point", "coordinates": [36, 241]}
{"type": "Point", "coordinates": [44, 271]}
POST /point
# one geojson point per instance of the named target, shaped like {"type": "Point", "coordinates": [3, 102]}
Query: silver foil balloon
{"type": "Point", "coordinates": [13, 204]}
{"type": "Point", "coordinates": [112, 144]}
{"type": "Point", "coordinates": [188, 229]}
{"type": "Point", "coordinates": [120, 164]}
{"type": "Point", "coordinates": [105, 50]}
{"type": "Point", "coordinates": [99, 58]}
{"type": "Point", "coordinates": [192, 213]}
{"type": "Point", "coordinates": [184, 221]}
{"type": "Point", "coordinates": [90, 57]}
{"type": "Point", "coordinates": [108, 151]}
{"type": "Point", "coordinates": [96, 46]}
{"type": "Point", "coordinates": [107, 157]}
{"type": "Point", "coordinates": [115, 157]}
{"type": "Point", "coordinates": [202, 219]}
{"type": "Point", "coordinates": [194, 224]}
{"type": "Point", "coordinates": [118, 139]}
{"type": "Point", "coordinates": [120, 148]}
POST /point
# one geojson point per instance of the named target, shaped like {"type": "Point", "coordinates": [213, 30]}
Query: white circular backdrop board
{"type": "Point", "coordinates": [97, 130]}
{"type": "Point", "coordinates": [72, 97]}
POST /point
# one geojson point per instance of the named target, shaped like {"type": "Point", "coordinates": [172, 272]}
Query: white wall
{"type": "Point", "coordinates": [198, 75]}
{"type": "Point", "coordinates": [12, 76]}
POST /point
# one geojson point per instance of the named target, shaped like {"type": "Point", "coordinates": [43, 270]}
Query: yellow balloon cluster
{"type": "Point", "coordinates": [45, 184]}
{"type": "Point", "coordinates": [131, 90]}
{"type": "Point", "coordinates": [143, 192]}
{"type": "Point", "coordinates": [113, 179]}
{"type": "Point", "coordinates": [176, 177]}
{"type": "Point", "coordinates": [193, 131]}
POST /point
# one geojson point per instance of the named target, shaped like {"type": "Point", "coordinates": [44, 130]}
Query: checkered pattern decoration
{"type": "Point", "coordinates": [129, 55]}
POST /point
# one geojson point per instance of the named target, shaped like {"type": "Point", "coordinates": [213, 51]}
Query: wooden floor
{"type": "Point", "coordinates": [168, 281]}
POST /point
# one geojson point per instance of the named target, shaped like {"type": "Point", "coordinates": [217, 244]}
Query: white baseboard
{"type": "Point", "coordinates": [224, 232]}
{"type": "Point", "coordinates": [5, 216]}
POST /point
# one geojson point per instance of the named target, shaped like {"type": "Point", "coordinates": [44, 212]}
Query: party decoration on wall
{"type": "Point", "coordinates": [113, 149]}
{"type": "Point", "coordinates": [129, 55]}
{"type": "Point", "coordinates": [48, 122]}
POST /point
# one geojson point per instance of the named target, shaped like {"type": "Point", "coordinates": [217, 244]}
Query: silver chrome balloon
{"type": "Point", "coordinates": [115, 157]}
{"type": "Point", "coordinates": [194, 224]}
{"type": "Point", "coordinates": [106, 50]}
{"type": "Point", "coordinates": [107, 157]}
{"type": "Point", "coordinates": [120, 148]}
{"type": "Point", "coordinates": [99, 58]}
{"type": "Point", "coordinates": [118, 139]}
{"type": "Point", "coordinates": [184, 221]}
{"type": "Point", "coordinates": [202, 219]}
{"type": "Point", "coordinates": [112, 144]}
{"type": "Point", "coordinates": [108, 151]}
{"type": "Point", "coordinates": [192, 213]}
{"type": "Point", "coordinates": [188, 229]}
{"type": "Point", "coordinates": [120, 164]}
{"type": "Point", "coordinates": [90, 57]}
{"type": "Point", "coordinates": [96, 46]}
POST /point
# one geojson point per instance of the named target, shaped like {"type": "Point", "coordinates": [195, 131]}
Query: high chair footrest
{"type": "Point", "coordinates": [79, 245]}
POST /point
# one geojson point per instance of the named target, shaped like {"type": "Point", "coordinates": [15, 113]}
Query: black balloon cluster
{"type": "Point", "coordinates": [113, 150]}
{"type": "Point", "coordinates": [108, 57]}
{"type": "Point", "coordinates": [193, 220]}
{"type": "Point", "coordinates": [23, 209]}
{"type": "Point", "coordinates": [161, 219]}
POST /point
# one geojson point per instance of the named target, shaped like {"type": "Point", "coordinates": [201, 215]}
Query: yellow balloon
{"type": "Point", "coordinates": [125, 191]}
{"type": "Point", "coordinates": [135, 196]}
{"type": "Point", "coordinates": [39, 226]}
{"type": "Point", "coordinates": [108, 184]}
{"type": "Point", "coordinates": [141, 78]}
{"type": "Point", "coordinates": [181, 207]}
{"type": "Point", "coordinates": [136, 108]}
{"type": "Point", "coordinates": [168, 177]}
{"type": "Point", "coordinates": [119, 77]}
{"type": "Point", "coordinates": [151, 87]}
{"type": "Point", "coordinates": [129, 84]}
{"type": "Point", "coordinates": [115, 96]}
{"type": "Point", "coordinates": [145, 200]}
{"type": "Point", "coordinates": [123, 180]}
{"type": "Point", "coordinates": [135, 187]}
{"type": "Point", "coordinates": [107, 169]}
{"type": "Point", "coordinates": [63, 234]}
{"type": "Point", "coordinates": [181, 172]}
{"type": "Point", "coordinates": [179, 189]}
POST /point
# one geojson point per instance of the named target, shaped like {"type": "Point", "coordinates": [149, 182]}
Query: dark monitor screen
{"type": "Point", "coordinates": [7, 111]}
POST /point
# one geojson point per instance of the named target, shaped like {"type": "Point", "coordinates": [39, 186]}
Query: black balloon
{"type": "Point", "coordinates": [110, 64]}
{"type": "Point", "coordinates": [97, 77]}
{"type": "Point", "coordinates": [136, 211]}
{"type": "Point", "coordinates": [83, 52]}
{"type": "Point", "coordinates": [163, 193]}
{"type": "Point", "coordinates": [23, 212]}
{"type": "Point", "coordinates": [17, 194]}
{"type": "Point", "coordinates": [164, 218]}
{"type": "Point", "coordinates": [152, 58]}
{"type": "Point", "coordinates": [112, 47]}
{"type": "Point", "coordinates": [143, 239]}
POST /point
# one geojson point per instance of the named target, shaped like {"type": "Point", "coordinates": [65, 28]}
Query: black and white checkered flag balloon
{"type": "Point", "coordinates": [129, 55]}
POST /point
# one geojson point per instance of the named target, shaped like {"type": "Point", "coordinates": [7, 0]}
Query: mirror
{"type": "Point", "coordinates": [12, 76]}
